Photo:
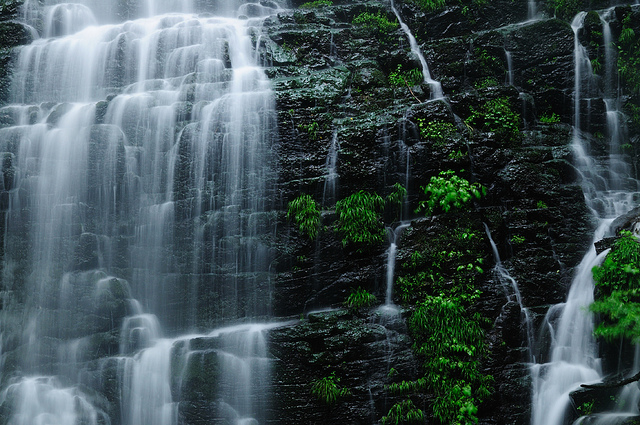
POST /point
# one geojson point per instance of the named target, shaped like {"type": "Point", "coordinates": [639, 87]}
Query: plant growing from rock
{"type": "Point", "coordinates": [316, 4]}
{"type": "Point", "coordinates": [327, 391]}
{"type": "Point", "coordinates": [400, 78]}
{"type": "Point", "coordinates": [359, 219]}
{"type": "Point", "coordinates": [377, 24]}
{"type": "Point", "coordinates": [305, 213]}
{"type": "Point", "coordinates": [618, 283]}
{"type": "Point", "coordinates": [358, 299]}
{"type": "Point", "coordinates": [404, 412]}
{"type": "Point", "coordinates": [438, 132]}
{"type": "Point", "coordinates": [449, 191]}
{"type": "Point", "coordinates": [496, 116]}
{"type": "Point", "coordinates": [629, 55]}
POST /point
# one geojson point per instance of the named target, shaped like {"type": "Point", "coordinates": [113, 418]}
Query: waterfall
{"type": "Point", "coordinates": [573, 356]}
{"type": "Point", "coordinates": [436, 87]}
{"type": "Point", "coordinates": [140, 143]}
{"type": "Point", "coordinates": [510, 285]}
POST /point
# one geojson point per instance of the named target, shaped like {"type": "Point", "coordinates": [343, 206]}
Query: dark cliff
{"type": "Point", "coordinates": [332, 77]}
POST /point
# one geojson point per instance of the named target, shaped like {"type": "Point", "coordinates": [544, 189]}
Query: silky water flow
{"type": "Point", "coordinates": [141, 176]}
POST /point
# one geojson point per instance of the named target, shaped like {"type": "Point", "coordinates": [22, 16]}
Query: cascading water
{"type": "Point", "coordinates": [511, 291]}
{"type": "Point", "coordinates": [137, 209]}
{"type": "Point", "coordinates": [573, 356]}
{"type": "Point", "coordinates": [436, 87]}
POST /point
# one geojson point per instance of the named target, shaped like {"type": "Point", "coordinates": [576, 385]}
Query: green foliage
{"type": "Point", "coordinates": [438, 132]}
{"type": "Point", "coordinates": [447, 191]}
{"type": "Point", "coordinates": [430, 5]}
{"type": "Point", "coordinates": [359, 218]}
{"type": "Point", "coordinates": [378, 24]}
{"type": "Point", "coordinates": [316, 4]}
{"type": "Point", "coordinates": [400, 78]}
{"type": "Point", "coordinates": [564, 9]}
{"type": "Point", "coordinates": [311, 130]}
{"type": "Point", "coordinates": [304, 211]}
{"type": "Point", "coordinates": [395, 199]}
{"type": "Point", "coordinates": [586, 408]}
{"type": "Point", "coordinates": [550, 119]}
{"type": "Point", "coordinates": [485, 83]}
{"type": "Point", "coordinates": [326, 389]}
{"type": "Point", "coordinates": [451, 343]}
{"type": "Point", "coordinates": [404, 412]}
{"type": "Point", "coordinates": [541, 205]}
{"type": "Point", "coordinates": [440, 282]}
{"type": "Point", "coordinates": [618, 282]}
{"type": "Point", "coordinates": [497, 116]}
{"type": "Point", "coordinates": [629, 56]}
{"type": "Point", "coordinates": [360, 298]}
{"type": "Point", "coordinates": [517, 239]}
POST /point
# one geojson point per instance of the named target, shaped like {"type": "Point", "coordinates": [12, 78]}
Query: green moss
{"type": "Point", "coordinates": [316, 4]}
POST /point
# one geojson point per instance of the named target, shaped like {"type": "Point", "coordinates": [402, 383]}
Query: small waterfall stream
{"type": "Point", "coordinates": [573, 356]}
{"type": "Point", "coordinates": [436, 87]}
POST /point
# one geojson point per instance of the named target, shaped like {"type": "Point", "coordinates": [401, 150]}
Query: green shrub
{"type": "Point", "coordinates": [326, 389]}
{"type": "Point", "coordinates": [564, 9]}
{"type": "Point", "coordinates": [360, 298]}
{"type": "Point", "coordinates": [550, 119]}
{"type": "Point", "coordinates": [305, 213]}
{"type": "Point", "coordinates": [404, 412]}
{"type": "Point", "coordinates": [359, 218]}
{"type": "Point", "coordinates": [629, 56]}
{"type": "Point", "coordinates": [316, 4]}
{"type": "Point", "coordinates": [497, 116]}
{"type": "Point", "coordinates": [430, 5]}
{"type": "Point", "coordinates": [618, 282]}
{"type": "Point", "coordinates": [400, 78]}
{"type": "Point", "coordinates": [447, 191]}
{"type": "Point", "coordinates": [438, 132]}
{"type": "Point", "coordinates": [377, 24]}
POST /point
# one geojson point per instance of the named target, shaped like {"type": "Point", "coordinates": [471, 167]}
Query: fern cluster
{"type": "Point", "coordinates": [326, 389]}
{"type": "Point", "coordinates": [447, 191]}
{"type": "Point", "coordinates": [304, 211]}
{"type": "Point", "coordinates": [618, 282]}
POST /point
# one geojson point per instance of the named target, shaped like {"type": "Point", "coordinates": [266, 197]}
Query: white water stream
{"type": "Point", "coordinates": [573, 357]}
{"type": "Point", "coordinates": [436, 87]}
{"type": "Point", "coordinates": [139, 139]}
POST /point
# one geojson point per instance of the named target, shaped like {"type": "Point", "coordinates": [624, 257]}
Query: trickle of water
{"type": "Point", "coordinates": [329, 194]}
{"type": "Point", "coordinates": [512, 291]}
{"type": "Point", "coordinates": [436, 87]}
{"type": "Point", "coordinates": [573, 357]}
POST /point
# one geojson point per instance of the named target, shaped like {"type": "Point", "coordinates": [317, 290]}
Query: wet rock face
{"type": "Point", "coordinates": [359, 351]}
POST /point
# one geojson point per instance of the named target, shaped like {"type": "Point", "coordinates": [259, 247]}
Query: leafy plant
{"type": "Point", "coordinates": [404, 412]}
{"type": "Point", "coordinates": [618, 282]}
{"type": "Point", "coordinates": [316, 4]}
{"type": "Point", "coordinates": [629, 55]}
{"type": "Point", "coordinates": [304, 211]}
{"type": "Point", "coordinates": [360, 298]}
{"type": "Point", "coordinates": [586, 408]}
{"type": "Point", "coordinates": [359, 218]}
{"type": "Point", "coordinates": [377, 24]}
{"type": "Point", "coordinates": [438, 132]}
{"type": "Point", "coordinates": [439, 282]}
{"type": "Point", "coordinates": [395, 199]}
{"type": "Point", "coordinates": [326, 389]}
{"type": "Point", "coordinates": [311, 129]}
{"type": "Point", "coordinates": [517, 239]}
{"type": "Point", "coordinates": [550, 119]}
{"type": "Point", "coordinates": [497, 116]}
{"type": "Point", "coordinates": [400, 78]}
{"type": "Point", "coordinates": [564, 9]}
{"type": "Point", "coordinates": [541, 205]}
{"type": "Point", "coordinates": [447, 191]}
